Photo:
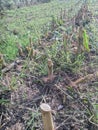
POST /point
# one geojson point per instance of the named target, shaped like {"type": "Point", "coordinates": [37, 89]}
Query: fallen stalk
{"type": "Point", "coordinates": [87, 77]}
{"type": "Point", "coordinates": [12, 65]}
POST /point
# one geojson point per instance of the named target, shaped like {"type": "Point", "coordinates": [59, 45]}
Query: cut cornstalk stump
{"type": "Point", "coordinates": [47, 117]}
{"type": "Point", "coordinates": [50, 69]}
{"type": "Point", "coordinates": [30, 42]}
{"type": "Point", "coordinates": [50, 76]}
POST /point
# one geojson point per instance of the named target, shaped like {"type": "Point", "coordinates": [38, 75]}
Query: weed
{"type": "Point", "coordinates": [31, 124]}
{"type": "Point", "coordinates": [86, 41]}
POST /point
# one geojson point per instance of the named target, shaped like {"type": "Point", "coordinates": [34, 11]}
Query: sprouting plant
{"type": "Point", "coordinates": [86, 41]}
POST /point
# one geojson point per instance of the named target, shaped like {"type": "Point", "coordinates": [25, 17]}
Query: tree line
{"type": "Point", "coordinates": [9, 4]}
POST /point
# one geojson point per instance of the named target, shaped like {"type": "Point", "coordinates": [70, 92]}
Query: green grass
{"type": "Point", "coordinates": [27, 21]}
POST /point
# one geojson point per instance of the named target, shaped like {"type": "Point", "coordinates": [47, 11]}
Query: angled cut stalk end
{"type": "Point", "coordinates": [47, 117]}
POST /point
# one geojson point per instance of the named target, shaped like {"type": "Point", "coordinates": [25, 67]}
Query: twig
{"type": "Point", "coordinates": [92, 122]}
{"type": "Point", "coordinates": [82, 79]}
{"type": "Point", "coordinates": [26, 108]}
{"type": "Point", "coordinates": [63, 91]}
{"type": "Point", "coordinates": [63, 122]}
{"type": "Point", "coordinates": [12, 65]}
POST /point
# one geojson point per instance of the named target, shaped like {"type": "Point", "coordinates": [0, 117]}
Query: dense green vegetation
{"type": "Point", "coordinates": [17, 25]}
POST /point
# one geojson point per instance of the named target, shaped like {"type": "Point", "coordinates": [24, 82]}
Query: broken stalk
{"type": "Point", "coordinates": [50, 69]}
